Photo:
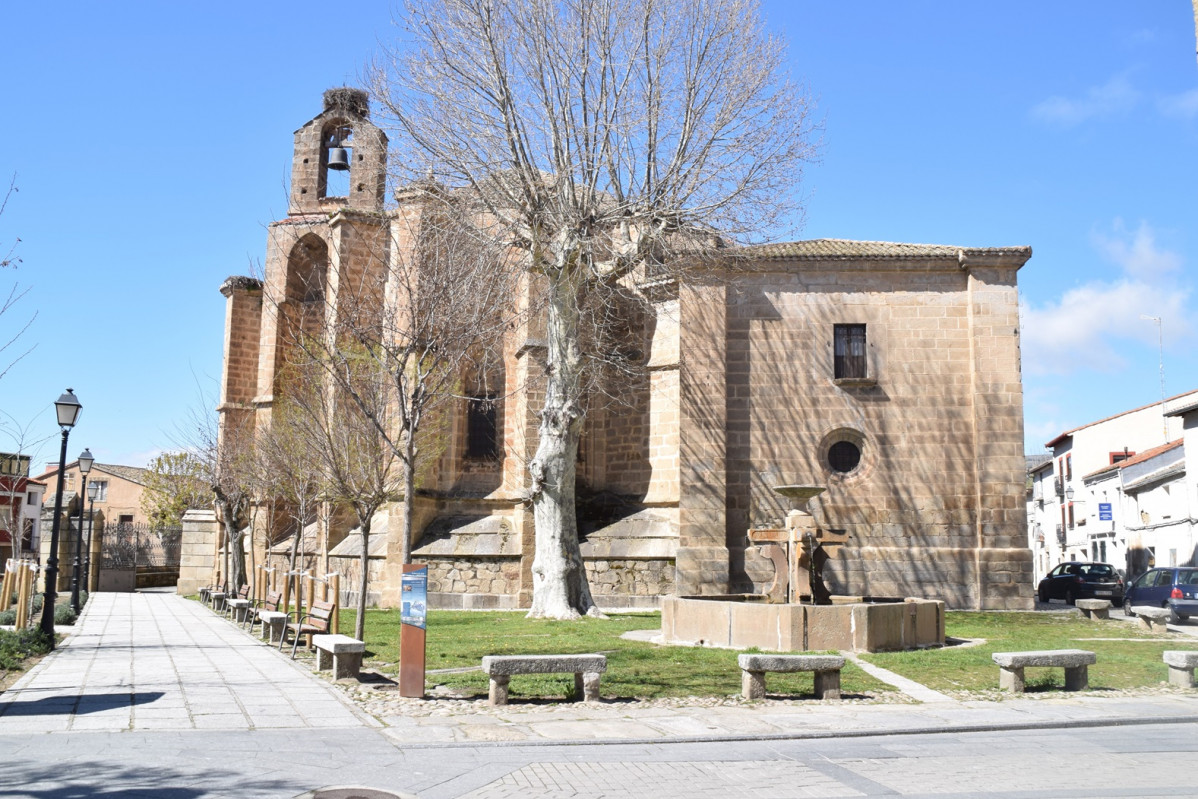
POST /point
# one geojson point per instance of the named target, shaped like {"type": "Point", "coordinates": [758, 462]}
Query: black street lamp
{"type": "Point", "coordinates": [67, 406]}
{"type": "Point", "coordinates": [85, 465]}
{"type": "Point", "coordinates": [93, 491]}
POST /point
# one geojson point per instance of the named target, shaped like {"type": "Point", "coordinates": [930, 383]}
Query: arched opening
{"type": "Point", "coordinates": [336, 156]}
{"type": "Point", "coordinates": [302, 309]}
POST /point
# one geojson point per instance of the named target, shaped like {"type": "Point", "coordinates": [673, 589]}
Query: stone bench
{"type": "Point", "coordinates": [1153, 619]}
{"type": "Point", "coordinates": [826, 667]}
{"type": "Point", "coordinates": [272, 624]}
{"type": "Point", "coordinates": [1094, 608]}
{"type": "Point", "coordinates": [340, 653]}
{"type": "Point", "coordinates": [1076, 663]}
{"type": "Point", "coordinates": [237, 607]}
{"type": "Point", "coordinates": [585, 668]}
{"type": "Point", "coordinates": [1181, 665]}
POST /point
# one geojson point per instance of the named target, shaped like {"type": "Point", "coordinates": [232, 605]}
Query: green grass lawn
{"type": "Point", "coordinates": [1127, 657]}
{"type": "Point", "coordinates": [634, 669]}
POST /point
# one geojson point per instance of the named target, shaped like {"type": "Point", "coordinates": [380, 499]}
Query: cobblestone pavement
{"type": "Point", "coordinates": [161, 662]}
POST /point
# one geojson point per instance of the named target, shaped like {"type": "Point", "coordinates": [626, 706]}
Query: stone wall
{"type": "Point", "coordinates": [196, 566]}
{"type": "Point", "coordinates": [473, 582]}
{"type": "Point", "coordinates": [630, 583]}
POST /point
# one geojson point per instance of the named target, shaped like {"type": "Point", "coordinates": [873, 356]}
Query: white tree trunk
{"type": "Point", "coordinates": [559, 582]}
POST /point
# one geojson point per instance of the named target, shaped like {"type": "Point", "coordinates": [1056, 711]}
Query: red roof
{"type": "Point", "coordinates": [1139, 457]}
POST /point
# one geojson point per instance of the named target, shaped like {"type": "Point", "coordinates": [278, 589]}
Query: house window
{"type": "Point", "coordinates": [848, 342]}
{"type": "Point", "coordinates": [1068, 467]}
{"type": "Point", "coordinates": [31, 500]}
{"type": "Point", "coordinates": [125, 518]}
{"type": "Point", "coordinates": [101, 490]}
{"type": "Point", "coordinates": [1119, 457]}
{"type": "Point", "coordinates": [482, 429]}
{"type": "Point", "coordinates": [1070, 515]}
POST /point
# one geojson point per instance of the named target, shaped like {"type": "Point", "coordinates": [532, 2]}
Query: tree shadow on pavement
{"type": "Point", "coordinates": [79, 705]}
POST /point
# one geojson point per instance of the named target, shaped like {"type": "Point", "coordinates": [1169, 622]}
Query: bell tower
{"type": "Point", "coordinates": [340, 158]}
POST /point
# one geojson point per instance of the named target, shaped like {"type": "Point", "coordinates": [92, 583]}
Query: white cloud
{"type": "Point", "coordinates": [1136, 253]}
{"type": "Point", "coordinates": [1114, 97]}
{"type": "Point", "coordinates": [1091, 324]}
{"type": "Point", "coordinates": [1182, 106]}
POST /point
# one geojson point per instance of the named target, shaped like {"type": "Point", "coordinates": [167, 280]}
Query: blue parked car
{"type": "Point", "coordinates": [1174, 587]}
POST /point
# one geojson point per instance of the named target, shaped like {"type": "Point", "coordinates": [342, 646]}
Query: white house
{"type": "Point", "coordinates": [1082, 475]}
{"type": "Point", "coordinates": [1142, 511]}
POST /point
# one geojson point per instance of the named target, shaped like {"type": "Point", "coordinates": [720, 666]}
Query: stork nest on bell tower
{"type": "Point", "coordinates": [352, 102]}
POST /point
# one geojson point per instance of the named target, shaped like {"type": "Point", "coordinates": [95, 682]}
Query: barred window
{"type": "Point", "coordinates": [849, 351]}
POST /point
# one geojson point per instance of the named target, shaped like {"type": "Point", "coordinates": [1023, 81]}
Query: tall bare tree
{"type": "Point", "coordinates": [10, 260]}
{"type": "Point", "coordinates": [358, 466]}
{"type": "Point", "coordinates": [24, 445]}
{"type": "Point", "coordinates": [227, 463]}
{"type": "Point", "coordinates": [599, 134]}
{"type": "Point", "coordinates": [447, 288]}
{"type": "Point", "coordinates": [292, 470]}
{"type": "Point", "coordinates": [428, 308]}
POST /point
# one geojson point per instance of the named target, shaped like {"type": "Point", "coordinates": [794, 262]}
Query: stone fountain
{"type": "Point", "coordinates": [797, 551]}
{"type": "Point", "coordinates": [798, 612]}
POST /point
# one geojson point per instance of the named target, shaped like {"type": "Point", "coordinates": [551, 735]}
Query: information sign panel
{"type": "Point", "coordinates": [415, 597]}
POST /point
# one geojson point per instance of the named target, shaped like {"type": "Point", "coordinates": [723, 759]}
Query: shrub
{"type": "Point", "coordinates": [63, 614]}
{"type": "Point", "coordinates": [16, 645]}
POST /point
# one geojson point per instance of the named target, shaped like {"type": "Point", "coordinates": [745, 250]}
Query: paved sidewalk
{"type": "Point", "coordinates": [207, 712]}
{"type": "Point", "coordinates": [161, 662]}
{"type": "Point", "coordinates": [149, 662]}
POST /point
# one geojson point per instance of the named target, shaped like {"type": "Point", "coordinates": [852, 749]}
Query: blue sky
{"type": "Point", "coordinates": [152, 143]}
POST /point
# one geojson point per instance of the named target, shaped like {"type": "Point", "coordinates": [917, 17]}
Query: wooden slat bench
{"type": "Point", "coordinates": [1181, 665]}
{"type": "Point", "coordinates": [316, 620]}
{"type": "Point", "coordinates": [340, 653]}
{"type": "Point", "coordinates": [267, 611]}
{"type": "Point", "coordinates": [585, 668]}
{"type": "Point", "coordinates": [235, 606]}
{"type": "Point", "coordinates": [1094, 608]}
{"type": "Point", "coordinates": [826, 667]}
{"type": "Point", "coordinates": [1151, 618]}
{"type": "Point", "coordinates": [1076, 663]}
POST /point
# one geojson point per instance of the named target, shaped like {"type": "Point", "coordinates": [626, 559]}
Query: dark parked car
{"type": "Point", "coordinates": [1077, 580]}
{"type": "Point", "coordinates": [1175, 587]}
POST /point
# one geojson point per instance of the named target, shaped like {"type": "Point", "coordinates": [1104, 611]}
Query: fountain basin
{"type": "Point", "coordinates": [849, 624]}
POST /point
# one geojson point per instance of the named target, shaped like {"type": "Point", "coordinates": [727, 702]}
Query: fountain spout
{"type": "Point", "coordinates": [806, 554]}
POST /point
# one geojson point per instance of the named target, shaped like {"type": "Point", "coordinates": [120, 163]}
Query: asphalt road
{"type": "Point", "coordinates": [1122, 761]}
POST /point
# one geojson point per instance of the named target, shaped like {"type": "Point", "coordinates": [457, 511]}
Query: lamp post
{"type": "Point", "coordinates": [93, 490]}
{"type": "Point", "coordinates": [85, 465]}
{"type": "Point", "coordinates": [67, 407]}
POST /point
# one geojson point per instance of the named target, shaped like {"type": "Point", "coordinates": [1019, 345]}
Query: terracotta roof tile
{"type": "Point", "coordinates": [832, 249]}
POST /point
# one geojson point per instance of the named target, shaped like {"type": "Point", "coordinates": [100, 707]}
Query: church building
{"type": "Point", "coordinates": [888, 374]}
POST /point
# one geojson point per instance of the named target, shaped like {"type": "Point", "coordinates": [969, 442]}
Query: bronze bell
{"type": "Point", "coordinates": [338, 159]}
